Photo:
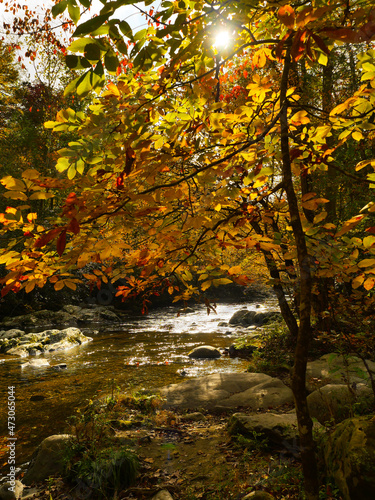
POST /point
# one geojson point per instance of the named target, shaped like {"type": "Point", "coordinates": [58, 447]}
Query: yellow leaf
{"type": "Point", "coordinates": [203, 277]}
{"type": "Point", "coordinates": [357, 136]}
{"type": "Point", "coordinates": [217, 120]}
{"type": "Point", "coordinates": [218, 207]}
{"type": "Point", "coordinates": [41, 195]}
{"type": "Point", "coordinates": [221, 281]}
{"type": "Point", "coordinates": [363, 164]}
{"type": "Point", "coordinates": [300, 118]}
{"type": "Point", "coordinates": [13, 184]}
{"type": "Point", "coordinates": [71, 172]}
{"type": "Point", "coordinates": [235, 270]}
{"type": "Point", "coordinates": [368, 241]}
{"type": "Point", "coordinates": [366, 263]}
{"type": "Point", "coordinates": [313, 204]}
{"type": "Point", "coordinates": [358, 280]}
{"type": "Point", "coordinates": [205, 285]}
{"type": "Point", "coordinates": [267, 246]}
{"type": "Point", "coordinates": [350, 224]}
{"type": "Point", "coordinates": [15, 195]}
{"type": "Point", "coordinates": [318, 218]}
{"type": "Point", "coordinates": [31, 174]}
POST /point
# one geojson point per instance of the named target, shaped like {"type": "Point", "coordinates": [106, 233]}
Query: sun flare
{"type": "Point", "coordinates": [222, 39]}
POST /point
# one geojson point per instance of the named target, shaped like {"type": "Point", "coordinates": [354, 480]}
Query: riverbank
{"type": "Point", "coordinates": [192, 456]}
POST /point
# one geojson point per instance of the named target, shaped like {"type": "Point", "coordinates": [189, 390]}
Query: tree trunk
{"type": "Point", "coordinates": [285, 310]}
{"type": "Point", "coordinates": [309, 462]}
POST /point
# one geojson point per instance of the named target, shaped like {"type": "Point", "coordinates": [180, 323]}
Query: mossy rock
{"type": "Point", "coordinates": [349, 453]}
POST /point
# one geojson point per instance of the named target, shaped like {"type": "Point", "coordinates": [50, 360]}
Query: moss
{"type": "Point", "coordinates": [350, 457]}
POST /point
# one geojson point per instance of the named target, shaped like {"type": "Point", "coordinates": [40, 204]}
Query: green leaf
{"type": "Point", "coordinates": [85, 3]}
{"type": "Point", "coordinates": [77, 62]}
{"type": "Point", "coordinates": [80, 44]}
{"type": "Point", "coordinates": [111, 62]}
{"type": "Point", "coordinates": [126, 29]}
{"type": "Point", "coordinates": [92, 52]}
{"type": "Point", "coordinates": [62, 164]}
{"type": "Point", "coordinates": [71, 172]}
{"type": "Point", "coordinates": [74, 11]}
{"type": "Point", "coordinates": [85, 85]}
{"type": "Point", "coordinates": [122, 47]}
{"type": "Point", "coordinates": [91, 25]}
{"type": "Point", "coordinates": [71, 87]}
{"type": "Point", "coordinates": [59, 8]}
{"type": "Point", "coordinates": [140, 35]}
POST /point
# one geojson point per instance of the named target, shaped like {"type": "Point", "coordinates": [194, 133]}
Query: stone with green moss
{"type": "Point", "coordinates": [349, 453]}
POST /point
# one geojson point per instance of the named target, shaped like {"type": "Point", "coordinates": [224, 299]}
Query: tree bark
{"type": "Point", "coordinates": [285, 310]}
{"type": "Point", "coordinates": [308, 457]}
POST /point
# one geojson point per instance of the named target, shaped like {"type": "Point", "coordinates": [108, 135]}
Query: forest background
{"type": "Point", "coordinates": [172, 162]}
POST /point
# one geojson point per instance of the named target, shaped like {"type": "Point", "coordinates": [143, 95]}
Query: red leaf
{"type": "Point", "coordinates": [343, 34]}
{"type": "Point", "coordinates": [320, 44]}
{"type": "Point", "coordinates": [74, 226]}
{"type": "Point", "coordinates": [129, 160]}
{"type": "Point", "coordinates": [298, 46]}
{"type": "Point", "coordinates": [41, 242]}
{"type": "Point", "coordinates": [61, 243]}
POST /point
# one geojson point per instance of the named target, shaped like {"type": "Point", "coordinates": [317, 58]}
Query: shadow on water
{"type": "Point", "coordinates": [147, 352]}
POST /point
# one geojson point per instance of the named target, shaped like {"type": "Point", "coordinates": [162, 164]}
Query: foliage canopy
{"type": "Point", "coordinates": [194, 154]}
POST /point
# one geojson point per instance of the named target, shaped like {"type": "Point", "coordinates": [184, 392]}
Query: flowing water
{"type": "Point", "coordinates": [145, 352]}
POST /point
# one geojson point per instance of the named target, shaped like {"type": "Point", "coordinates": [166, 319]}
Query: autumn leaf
{"type": "Point", "coordinates": [350, 224]}
{"type": "Point", "coordinates": [286, 15]}
{"type": "Point", "coordinates": [61, 243]}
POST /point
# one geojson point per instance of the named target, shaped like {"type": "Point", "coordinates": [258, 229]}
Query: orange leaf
{"type": "Point", "coordinates": [287, 16]}
{"type": "Point", "coordinates": [350, 224]}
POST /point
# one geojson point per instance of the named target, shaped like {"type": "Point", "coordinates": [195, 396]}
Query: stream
{"type": "Point", "coordinates": [144, 352]}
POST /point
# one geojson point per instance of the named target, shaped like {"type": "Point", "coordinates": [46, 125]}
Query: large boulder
{"type": "Point", "coordinates": [68, 315]}
{"type": "Point", "coordinates": [335, 402]}
{"type": "Point", "coordinates": [228, 390]}
{"type": "Point", "coordinates": [349, 454]}
{"type": "Point", "coordinates": [47, 341]}
{"type": "Point", "coordinates": [48, 459]}
{"type": "Point", "coordinates": [204, 351]}
{"type": "Point", "coordinates": [244, 317]}
{"type": "Point", "coordinates": [337, 369]}
{"type": "Point", "coordinates": [257, 318]}
{"type": "Point", "coordinates": [38, 318]}
{"type": "Point", "coordinates": [281, 430]}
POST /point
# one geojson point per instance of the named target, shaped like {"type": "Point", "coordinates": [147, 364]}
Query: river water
{"type": "Point", "coordinates": [144, 352]}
